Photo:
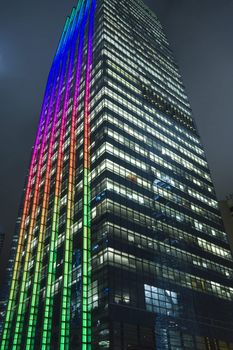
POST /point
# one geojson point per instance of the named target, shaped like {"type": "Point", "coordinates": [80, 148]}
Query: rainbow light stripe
{"type": "Point", "coordinates": [56, 131]}
{"type": "Point", "coordinates": [48, 310]}
{"type": "Point", "coordinates": [21, 240]}
{"type": "Point", "coordinates": [21, 306]}
{"type": "Point", "coordinates": [33, 311]}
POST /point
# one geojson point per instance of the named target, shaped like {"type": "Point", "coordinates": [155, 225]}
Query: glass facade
{"type": "Point", "coordinates": [121, 244]}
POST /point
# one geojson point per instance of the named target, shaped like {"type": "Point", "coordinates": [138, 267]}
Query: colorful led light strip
{"type": "Point", "coordinates": [34, 211]}
{"type": "Point", "coordinates": [64, 61]}
{"type": "Point", "coordinates": [22, 297]}
{"type": "Point", "coordinates": [67, 279]}
{"type": "Point", "coordinates": [86, 257]}
{"type": "Point", "coordinates": [26, 207]}
{"type": "Point", "coordinates": [64, 340]}
{"type": "Point", "coordinates": [48, 309]}
{"type": "Point", "coordinates": [33, 310]}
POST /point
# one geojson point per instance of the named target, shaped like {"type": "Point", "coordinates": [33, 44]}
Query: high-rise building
{"type": "Point", "coordinates": [121, 243]}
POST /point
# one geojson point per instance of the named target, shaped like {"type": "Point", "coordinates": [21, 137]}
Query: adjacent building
{"type": "Point", "coordinates": [7, 265]}
{"type": "Point", "coordinates": [2, 239]}
{"type": "Point", "coordinates": [121, 244]}
{"type": "Point", "coordinates": [3, 305]}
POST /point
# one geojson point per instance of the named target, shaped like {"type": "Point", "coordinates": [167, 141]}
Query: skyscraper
{"type": "Point", "coordinates": [121, 244]}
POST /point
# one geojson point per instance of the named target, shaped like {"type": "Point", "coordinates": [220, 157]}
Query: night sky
{"type": "Point", "coordinates": [200, 33]}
